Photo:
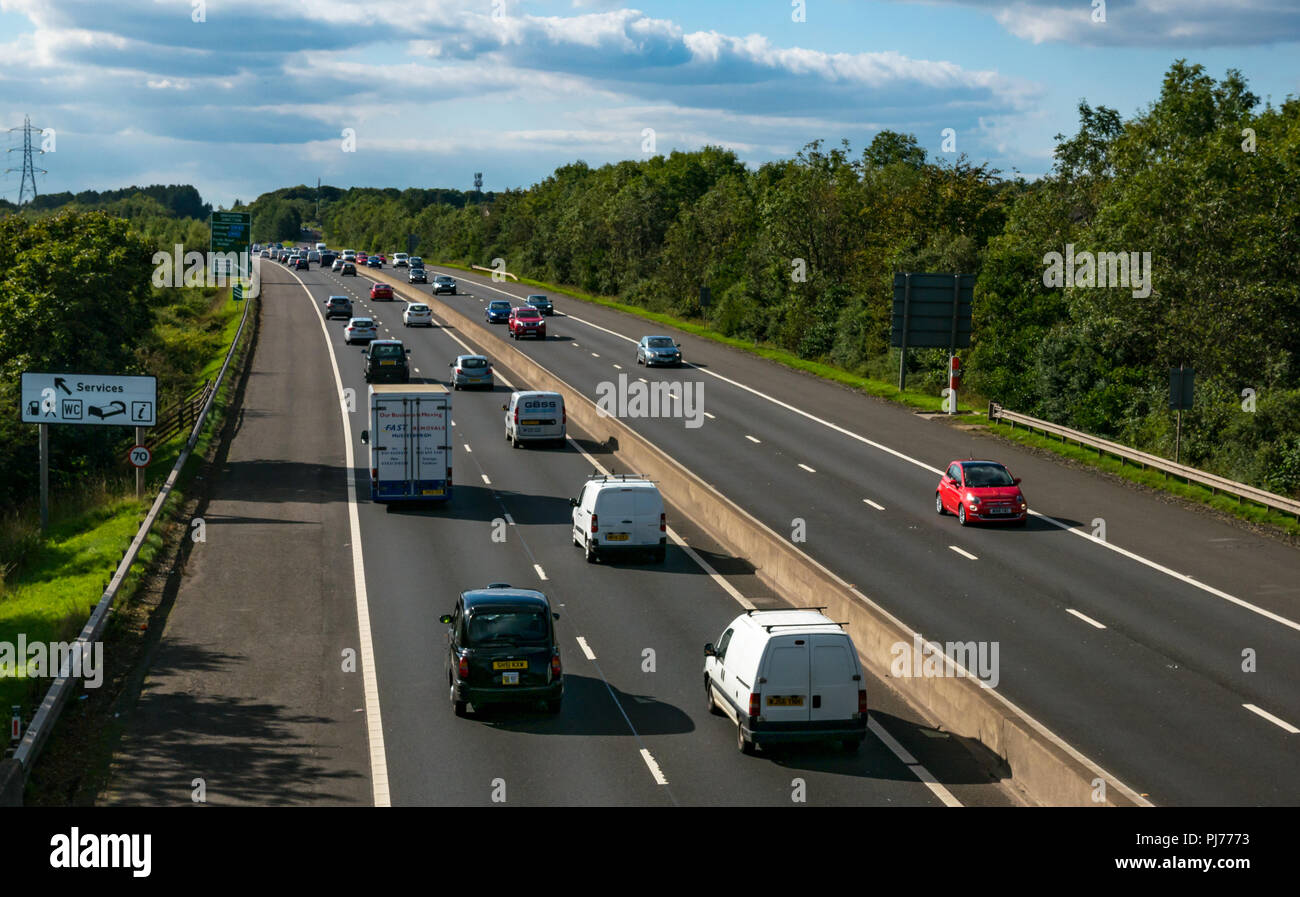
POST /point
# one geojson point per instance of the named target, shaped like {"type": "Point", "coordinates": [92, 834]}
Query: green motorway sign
{"type": "Point", "coordinates": [231, 231]}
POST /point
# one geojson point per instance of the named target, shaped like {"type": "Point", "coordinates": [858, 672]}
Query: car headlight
{"type": "Point", "coordinates": [974, 500]}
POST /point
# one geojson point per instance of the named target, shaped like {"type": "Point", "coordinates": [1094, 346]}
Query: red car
{"type": "Point", "coordinates": [981, 491]}
{"type": "Point", "coordinates": [525, 320]}
{"type": "Point", "coordinates": [381, 291]}
{"type": "Point", "coordinates": [361, 258]}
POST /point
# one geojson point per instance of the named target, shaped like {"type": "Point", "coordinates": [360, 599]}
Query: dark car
{"type": "Point", "coordinates": [348, 268]}
{"type": "Point", "coordinates": [542, 304]}
{"type": "Point", "coordinates": [444, 284]}
{"type": "Point", "coordinates": [497, 311]}
{"type": "Point", "coordinates": [386, 362]}
{"type": "Point", "coordinates": [501, 647]}
{"type": "Point", "coordinates": [374, 261]}
{"type": "Point", "coordinates": [327, 259]}
{"type": "Point", "coordinates": [417, 275]}
{"type": "Point", "coordinates": [338, 307]}
{"type": "Point", "coordinates": [302, 264]}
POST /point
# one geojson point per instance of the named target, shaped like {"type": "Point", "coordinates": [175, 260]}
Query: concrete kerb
{"type": "Point", "coordinates": [1043, 767]}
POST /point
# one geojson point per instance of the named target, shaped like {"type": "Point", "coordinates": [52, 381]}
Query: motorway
{"type": "Point", "coordinates": [1129, 648]}
{"type": "Point", "coordinates": [631, 732]}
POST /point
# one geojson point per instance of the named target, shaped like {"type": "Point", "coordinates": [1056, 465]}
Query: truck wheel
{"type": "Point", "coordinates": [590, 552]}
{"type": "Point", "coordinates": [744, 745]}
{"type": "Point", "coordinates": [708, 699]}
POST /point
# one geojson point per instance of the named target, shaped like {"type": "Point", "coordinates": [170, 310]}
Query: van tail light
{"type": "Point", "coordinates": [755, 705]}
{"type": "Point", "coordinates": [593, 523]}
{"type": "Point", "coordinates": [555, 665]}
{"type": "Point", "coordinates": [663, 523]}
{"type": "Point", "coordinates": [374, 473]}
{"type": "Point", "coordinates": [516, 415]}
{"type": "Point", "coordinates": [862, 701]}
{"type": "Point", "coordinates": [449, 476]}
{"type": "Point", "coordinates": [462, 667]}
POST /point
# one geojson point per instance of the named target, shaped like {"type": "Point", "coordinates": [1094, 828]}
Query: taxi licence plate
{"type": "Point", "coordinates": [509, 664]}
{"type": "Point", "coordinates": [509, 678]}
{"type": "Point", "coordinates": [530, 423]}
{"type": "Point", "coordinates": [785, 700]}
{"type": "Point", "coordinates": [386, 363]}
{"type": "Point", "coordinates": [616, 537]}
{"type": "Point", "coordinates": [431, 492]}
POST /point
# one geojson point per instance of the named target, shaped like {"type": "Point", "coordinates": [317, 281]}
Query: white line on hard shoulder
{"type": "Point", "coordinates": [1272, 719]}
{"type": "Point", "coordinates": [1085, 618]}
{"type": "Point", "coordinates": [965, 554]}
{"type": "Point", "coordinates": [586, 649]}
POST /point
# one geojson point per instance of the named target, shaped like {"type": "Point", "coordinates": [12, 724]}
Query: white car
{"type": "Point", "coordinates": [400, 259]}
{"type": "Point", "coordinates": [787, 675]}
{"type": "Point", "coordinates": [619, 513]}
{"type": "Point", "coordinates": [360, 330]}
{"type": "Point", "coordinates": [349, 255]}
{"type": "Point", "coordinates": [417, 314]}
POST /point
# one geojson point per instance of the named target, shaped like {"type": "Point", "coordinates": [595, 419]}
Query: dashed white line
{"type": "Point", "coordinates": [874, 505]}
{"type": "Point", "coordinates": [468, 449]}
{"type": "Point", "coordinates": [753, 440]}
{"type": "Point", "coordinates": [709, 416]}
{"type": "Point", "coordinates": [654, 767]}
{"type": "Point", "coordinates": [586, 649]}
{"type": "Point", "coordinates": [1272, 719]}
{"type": "Point", "coordinates": [965, 554]}
{"type": "Point", "coordinates": [485, 479]}
{"type": "Point", "coordinates": [1085, 618]}
{"type": "Point", "coordinates": [643, 379]}
{"type": "Point", "coordinates": [807, 468]}
{"type": "Point", "coordinates": [541, 574]}
{"type": "Point", "coordinates": [619, 366]}
{"type": "Point", "coordinates": [595, 355]}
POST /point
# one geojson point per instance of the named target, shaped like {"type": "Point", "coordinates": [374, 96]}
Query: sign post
{"type": "Point", "coordinates": [931, 311]}
{"type": "Point", "coordinates": [105, 400]}
{"type": "Point", "coordinates": [1181, 388]}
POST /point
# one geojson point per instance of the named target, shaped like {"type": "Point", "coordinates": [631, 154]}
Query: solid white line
{"type": "Point", "coordinates": [965, 554]}
{"type": "Point", "coordinates": [586, 649]}
{"type": "Point", "coordinates": [753, 440]}
{"type": "Point", "coordinates": [485, 479]}
{"type": "Point", "coordinates": [913, 764]}
{"type": "Point", "coordinates": [654, 767]}
{"type": "Point", "coordinates": [1085, 618]}
{"type": "Point", "coordinates": [807, 468]}
{"type": "Point", "coordinates": [874, 505]}
{"type": "Point", "coordinates": [1272, 719]}
{"type": "Point", "coordinates": [369, 680]}
{"type": "Point", "coordinates": [510, 520]}
{"type": "Point", "coordinates": [541, 574]}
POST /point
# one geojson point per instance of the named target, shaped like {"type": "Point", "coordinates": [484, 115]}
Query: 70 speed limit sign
{"type": "Point", "coordinates": [139, 456]}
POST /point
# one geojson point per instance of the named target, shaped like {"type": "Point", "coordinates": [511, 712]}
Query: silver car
{"type": "Point", "coordinates": [658, 350]}
{"type": "Point", "coordinates": [471, 370]}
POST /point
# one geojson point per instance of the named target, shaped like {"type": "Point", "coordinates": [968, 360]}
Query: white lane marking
{"type": "Point", "coordinates": [586, 649]}
{"type": "Point", "coordinates": [1078, 531]}
{"type": "Point", "coordinates": [643, 379]}
{"type": "Point", "coordinates": [619, 366]}
{"type": "Point", "coordinates": [453, 423]}
{"type": "Point", "coordinates": [468, 449]}
{"type": "Point", "coordinates": [807, 468]}
{"type": "Point", "coordinates": [913, 764]}
{"type": "Point", "coordinates": [575, 345]}
{"type": "Point", "coordinates": [965, 554]}
{"type": "Point", "coordinates": [417, 370]}
{"type": "Point", "coordinates": [485, 479]}
{"type": "Point", "coordinates": [654, 767]}
{"type": "Point", "coordinates": [874, 505]}
{"type": "Point", "coordinates": [1272, 719]}
{"type": "Point", "coordinates": [753, 440]}
{"type": "Point", "coordinates": [510, 520]}
{"type": "Point", "coordinates": [595, 355]}
{"type": "Point", "coordinates": [369, 682]}
{"type": "Point", "coordinates": [1085, 618]}
{"type": "Point", "coordinates": [673, 395]}
{"type": "Point", "coordinates": [541, 574]}
{"type": "Point", "coordinates": [709, 416]}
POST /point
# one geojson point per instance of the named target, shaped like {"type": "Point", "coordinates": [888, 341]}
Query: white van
{"type": "Point", "coordinates": [533, 416]}
{"type": "Point", "coordinates": [620, 512]}
{"type": "Point", "coordinates": [787, 675]}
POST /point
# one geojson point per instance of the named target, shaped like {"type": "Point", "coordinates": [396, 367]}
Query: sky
{"type": "Point", "coordinates": [239, 97]}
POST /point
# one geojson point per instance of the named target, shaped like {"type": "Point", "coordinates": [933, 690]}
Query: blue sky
{"type": "Point", "coordinates": [257, 95]}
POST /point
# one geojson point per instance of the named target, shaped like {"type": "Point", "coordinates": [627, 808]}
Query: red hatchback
{"type": "Point", "coordinates": [981, 491]}
{"type": "Point", "coordinates": [526, 320]}
{"type": "Point", "coordinates": [381, 291]}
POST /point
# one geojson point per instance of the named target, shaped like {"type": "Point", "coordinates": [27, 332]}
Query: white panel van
{"type": "Point", "coordinates": [785, 676]}
{"type": "Point", "coordinates": [533, 416]}
{"type": "Point", "coordinates": [620, 513]}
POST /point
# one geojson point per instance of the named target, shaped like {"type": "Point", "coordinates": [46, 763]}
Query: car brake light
{"type": "Point", "coordinates": [593, 523]}
{"type": "Point", "coordinates": [663, 523]}
{"type": "Point", "coordinates": [862, 701]}
{"type": "Point", "coordinates": [754, 705]}
{"type": "Point", "coordinates": [462, 667]}
{"type": "Point", "coordinates": [555, 665]}
{"type": "Point", "coordinates": [516, 414]}
{"type": "Point", "coordinates": [374, 473]}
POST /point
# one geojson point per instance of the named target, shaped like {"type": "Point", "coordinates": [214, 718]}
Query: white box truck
{"type": "Point", "coordinates": [410, 442]}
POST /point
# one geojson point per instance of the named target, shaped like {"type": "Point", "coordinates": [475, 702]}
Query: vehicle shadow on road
{"type": "Point", "coordinates": [588, 711]}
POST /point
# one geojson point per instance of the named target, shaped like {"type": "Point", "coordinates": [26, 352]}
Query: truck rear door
{"type": "Point", "coordinates": [834, 690]}
{"type": "Point", "coordinates": [411, 455]}
{"type": "Point", "coordinates": [785, 694]}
